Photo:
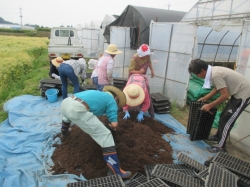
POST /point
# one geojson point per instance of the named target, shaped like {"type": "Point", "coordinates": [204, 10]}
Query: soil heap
{"type": "Point", "coordinates": [137, 143]}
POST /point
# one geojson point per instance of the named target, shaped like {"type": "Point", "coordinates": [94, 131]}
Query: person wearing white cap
{"type": "Point", "coordinates": [139, 65]}
{"type": "Point", "coordinates": [141, 61]}
{"type": "Point", "coordinates": [137, 96]}
{"type": "Point", "coordinates": [72, 69]}
{"type": "Point", "coordinates": [103, 72]}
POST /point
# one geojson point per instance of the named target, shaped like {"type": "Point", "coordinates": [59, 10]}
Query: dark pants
{"type": "Point", "coordinates": [228, 117]}
{"type": "Point", "coordinates": [66, 71]}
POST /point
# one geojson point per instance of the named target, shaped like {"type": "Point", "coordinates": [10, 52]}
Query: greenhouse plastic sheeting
{"type": "Point", "coordinates": [27, 136]}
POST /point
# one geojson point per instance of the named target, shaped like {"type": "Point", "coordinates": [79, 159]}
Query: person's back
{"type": "Point", "coordinates": [100, 103]}
{"type": "Point", "coordinates": [237, 85]}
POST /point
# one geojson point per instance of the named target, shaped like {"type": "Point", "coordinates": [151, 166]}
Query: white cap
{"type": "Point", "coordinates": [143, 50]}
{"type": "Point", "coordinates": [92, 63]}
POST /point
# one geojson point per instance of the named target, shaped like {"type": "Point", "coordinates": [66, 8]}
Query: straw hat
{"type": "Point", "coordinates": [57, 61]}
{"type": "Point", "coordinates": [92, 63]}
{"type": "Point", "coordinates": [143, 50]}
{"type": "Point", "coordinates": [118, 93]}
{"type": "Point", "coordinates": [135, 95]}
{"type": "Point", "coordinates": [113, 50]}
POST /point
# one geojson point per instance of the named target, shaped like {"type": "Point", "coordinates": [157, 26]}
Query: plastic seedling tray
{"type": "Point", "coordinates": [109, 181]}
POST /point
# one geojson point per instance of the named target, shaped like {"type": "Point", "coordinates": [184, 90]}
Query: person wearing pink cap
{"type": "Point", "coordinates": [137, 96]}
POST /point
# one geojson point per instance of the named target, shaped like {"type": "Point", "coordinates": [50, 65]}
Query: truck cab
{"type": "Point", "coordinates": [64, 42]}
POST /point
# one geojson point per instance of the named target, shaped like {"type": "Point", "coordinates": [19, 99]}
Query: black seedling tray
{"type": "Point", "coordinates": [233, 164]}
{"type": "Point", "coordinates": [202, 124]}
{"type": "Point", "coordinates": [192, 111]}
{"type": "Point", "coordinates": [175, 177]}
{"type": "Point", "coordinates": [217, 174]}
{"type": "Point", "coordinates": [109, 181]}
{"type": "Point", "coordinates": [158, 97]}
{"type": "Point", "coordinates": [148, 170]}
{"type": "Point", "coordinates": [154, 183]}
{"type": "Point", "coordinates": [136, 180]}
{"type": "Point", "coordinates": [191, 163]}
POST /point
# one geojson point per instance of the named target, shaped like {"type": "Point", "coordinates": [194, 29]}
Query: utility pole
{"type": "Point", "coordinates": [21, 17]}
{"type": "Point", "coordinates": [168, 5]}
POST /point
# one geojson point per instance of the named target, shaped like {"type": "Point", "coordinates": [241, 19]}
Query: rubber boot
{"type": "Point", "coordinates": [65, 129]}
{"type": "Point", "coordinates": [113, 164]}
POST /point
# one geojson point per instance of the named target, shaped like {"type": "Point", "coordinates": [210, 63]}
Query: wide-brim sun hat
{"type": "Point", "coordinates": [121, 96]}
{"type": "Point", "coordinates": [92, 63]}
{"type": "Point", "coordinates": [113, 50]}
{"type": "Point", "coordinates": [144, 50]}
{"type": "Point", "coordinates": [135, 95]}
{"type": "Point", "coordinates": [57, 61]}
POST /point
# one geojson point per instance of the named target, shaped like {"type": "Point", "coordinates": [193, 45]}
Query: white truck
{"type": "Point", "coordinates": [64, 42]}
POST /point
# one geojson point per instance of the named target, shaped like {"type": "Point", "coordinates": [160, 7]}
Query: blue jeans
{"type": "Point", "coordinates": [98, 86]}
{"type": "Point", "coordinates": [66, 71]}
{"type": "Point", "coordinates": [95, 81]}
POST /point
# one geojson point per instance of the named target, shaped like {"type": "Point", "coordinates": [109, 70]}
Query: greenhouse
{"type": "Point", "coordinates": [215, 31]}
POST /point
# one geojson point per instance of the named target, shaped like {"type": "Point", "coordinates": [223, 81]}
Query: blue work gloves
{"type": "Point", "coordinates": [127, 115]}
{"type": "Point", "coordinates": [140, 116]}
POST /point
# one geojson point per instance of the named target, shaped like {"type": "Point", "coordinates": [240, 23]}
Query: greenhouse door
{"type": "Point", "coordinates": [172, 50]}
{"type": "Point", "coordinates": [121, 37]}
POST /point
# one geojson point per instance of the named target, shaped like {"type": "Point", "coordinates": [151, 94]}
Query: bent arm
{"type": "Point", "coordinates": [114, 124]}
{"type": "Point", "coordinates": [224, 95]}
{"type": "Point", "coordinates": [208, 96]}
{"type": "Point", "coordinates": [152, 70]}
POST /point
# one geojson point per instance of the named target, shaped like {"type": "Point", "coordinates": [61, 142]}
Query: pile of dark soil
{"type": "Point", "coordinates": [137, 144]}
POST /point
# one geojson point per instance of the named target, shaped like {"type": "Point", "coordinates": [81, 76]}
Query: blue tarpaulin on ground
{"type": "Point", "coordinates": [27, 136]}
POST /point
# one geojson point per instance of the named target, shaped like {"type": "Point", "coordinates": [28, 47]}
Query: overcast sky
{"type": "Point", "coordinates": [52, 13]}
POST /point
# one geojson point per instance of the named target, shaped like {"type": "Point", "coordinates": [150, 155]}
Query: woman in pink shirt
{"type": "Point", "coordinates": [137, 95]}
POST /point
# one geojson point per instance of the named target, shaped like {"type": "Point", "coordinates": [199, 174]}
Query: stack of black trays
{"type": "Point", "coordinates": [161, 103]}
{"type": "Point", "coordinates": [199, 122]}
{"type": "Point", "coordinates": [120, 82]}
{"type": "Point", "coordinates": [46, 84]}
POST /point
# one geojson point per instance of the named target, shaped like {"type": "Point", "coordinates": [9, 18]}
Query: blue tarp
{"type": "Point", "coordinates": [27, 136]}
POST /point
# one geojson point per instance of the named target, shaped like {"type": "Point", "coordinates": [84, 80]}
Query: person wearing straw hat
{"type": "Point", "coordinates": [72, 69]}
{"type": "Point", "coordinates": [83, 109]}
{"type": "Point", "coordinates": [103, 72]}
{"type": "Point", "coordinates": [54, 64]}
{"type": "Point", "coordinates": [140, 62]}
{"type": "Point", "coordinates": [137, 96]}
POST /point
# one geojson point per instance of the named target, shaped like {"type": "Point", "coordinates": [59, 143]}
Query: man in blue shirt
{"type": "Point", "coordinates": [83, 109]}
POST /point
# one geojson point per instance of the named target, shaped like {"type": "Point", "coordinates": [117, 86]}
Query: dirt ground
{"type": "Point", "coordinates": [137, 144]}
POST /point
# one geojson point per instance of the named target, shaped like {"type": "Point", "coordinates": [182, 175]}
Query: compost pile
{"type": "Point", "coordinates": [137, 143]}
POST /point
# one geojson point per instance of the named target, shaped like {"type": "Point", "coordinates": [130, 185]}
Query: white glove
{"type": "Point", "coordinates": [56, 76]}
